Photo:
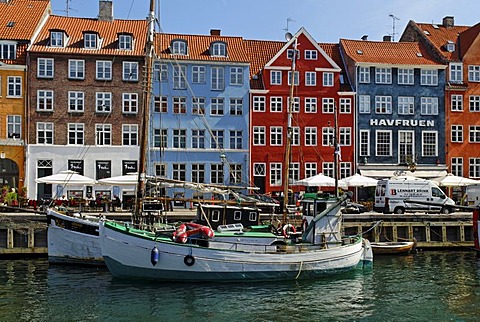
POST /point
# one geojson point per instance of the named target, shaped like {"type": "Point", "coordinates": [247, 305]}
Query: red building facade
{"type": "Point", "coordinates": [321, 91]}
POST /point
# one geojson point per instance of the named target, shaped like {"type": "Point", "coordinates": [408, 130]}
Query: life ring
{"type": "Point", "coordinates": [189, 260]}
{"type": "Point", "coordinates": [288, 229]}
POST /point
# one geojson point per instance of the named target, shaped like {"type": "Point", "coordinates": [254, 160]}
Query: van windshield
{"type": "Point", "coordinates": [437, 193]}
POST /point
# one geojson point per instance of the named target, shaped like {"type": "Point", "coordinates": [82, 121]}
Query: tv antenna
{"type": "Point", "coordinates": [288, 20]}
{"type": "Point", "coordinates": [394, 18]}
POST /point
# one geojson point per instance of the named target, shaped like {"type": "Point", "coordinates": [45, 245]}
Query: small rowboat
{"type": "Point", "coordinates": [392, 248]}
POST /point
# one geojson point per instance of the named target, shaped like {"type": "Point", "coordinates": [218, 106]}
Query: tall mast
{"type": "Point", "coordinates": [336, 147]}
{"type": "Point", "coordinates": [288, 145]}
{"type": "Point", "coordinates": [149, 50]}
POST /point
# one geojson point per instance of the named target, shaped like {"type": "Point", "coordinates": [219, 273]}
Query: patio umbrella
{"type": "Point", "coordinates": [451, 180]}
{"type": "Point", "coordinates": [357, 180]}
{"type": "Point", "coordinates": [67, 177]}
{"type": "Point", "coordinates": [319, 180]}
{"type": "Point", "coordinates": [129, 179]}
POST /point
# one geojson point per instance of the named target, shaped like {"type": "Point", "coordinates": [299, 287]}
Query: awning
{"type": "Point", "coordinates": [425, 174]}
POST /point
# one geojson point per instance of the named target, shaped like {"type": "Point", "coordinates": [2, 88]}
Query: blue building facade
{"type": "Point", "coordinates": [199, 120]}
{"type": "Point", "coordinates": [400, 108]}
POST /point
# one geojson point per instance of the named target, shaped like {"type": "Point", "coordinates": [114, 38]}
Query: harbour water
{"type": "Point", "coordinates": [427, 286]}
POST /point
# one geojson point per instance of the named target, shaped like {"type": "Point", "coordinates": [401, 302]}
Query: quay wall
{"type": "Point", "coordinates": [25, 234]}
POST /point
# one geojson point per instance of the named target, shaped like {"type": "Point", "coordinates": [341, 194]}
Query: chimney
{"type": "Point", "coordinates": [387, 38]}
{"type": "Point", "coordinates": [448, 21]}
{"type": "Point", "coordinates": [215, 32]}
{"type": "Point", "coordinates": [105, 10]}
{"type": "Point", "coordinates": [365, 37]}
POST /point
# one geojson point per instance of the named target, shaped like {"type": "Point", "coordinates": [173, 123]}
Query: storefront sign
{"type": "Point", "coordinates": [406, 123]}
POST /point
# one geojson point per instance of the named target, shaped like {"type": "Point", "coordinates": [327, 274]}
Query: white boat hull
{"type": "Point", "coordinates": [67, 246]}
{"type": "Point", "coordinates": [129, 256]}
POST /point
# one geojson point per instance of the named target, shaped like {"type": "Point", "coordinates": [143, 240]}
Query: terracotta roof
{"type": "Point", "coordinates": [23, 16]}
{"type": "Point", "coordinates": [439, 35]}
{"type": "Point", "coordinates": [107, 30]}
{"type": "Point", "coordinates": [198, 47]}
{"type": "Point", "coordinates": [259, 53]}
{"type": "Point", "coordinates": [333, 50]}
{"type": "Point", "coordinates": [386, 52]}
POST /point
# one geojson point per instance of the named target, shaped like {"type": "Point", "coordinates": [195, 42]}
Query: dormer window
{"type": "Point", "coordinates": [218, 49]}
{"type": "Point", "coordinates": [57, 39]}
{"type": "Point", "coordinates": [179, 47]}
{"type": "Point", "coordinates": [125, 42]}
{"type": "Point", "coordinates": [90, 40]}
{"type": "Point", "coordinates": [450, 46]}
{"type": "Point", "coordinates": [8, 50]}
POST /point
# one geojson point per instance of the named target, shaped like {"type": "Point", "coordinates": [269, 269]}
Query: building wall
{"type": "Point", "coordinates": [189, 121]}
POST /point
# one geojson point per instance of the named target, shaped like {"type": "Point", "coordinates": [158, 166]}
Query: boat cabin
{"type": "Point", "coordinates": [217, 214]}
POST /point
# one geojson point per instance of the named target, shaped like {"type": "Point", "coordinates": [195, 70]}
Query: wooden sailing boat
{"type": "Point", "coordinates": [138, 254]}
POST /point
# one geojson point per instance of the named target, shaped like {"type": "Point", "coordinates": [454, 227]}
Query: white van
{"type": "Point", "coordinates": [392, 195]}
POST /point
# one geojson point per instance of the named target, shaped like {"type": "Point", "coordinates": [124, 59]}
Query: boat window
{"type": "Point", "coordinates": [216, 215]}
{"type": "Point", "coordinates": [252, 216]}
{"type": "Point", "coordinates": [237, 215]}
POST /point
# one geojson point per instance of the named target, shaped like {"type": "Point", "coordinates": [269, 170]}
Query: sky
{"type": "Point", "coordinates": [325, 20]}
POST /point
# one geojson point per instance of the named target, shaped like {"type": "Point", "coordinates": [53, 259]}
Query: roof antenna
{"type": "Point", "coordinates": [393, 25]}
{"type": "Point", "coordinates": [288, 20]}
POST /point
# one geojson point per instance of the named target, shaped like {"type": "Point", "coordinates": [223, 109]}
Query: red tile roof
{"type": "Point", "coordinates": [260, 52]}
{"type": "Point", "coordinates": [386, 52]}
{"type": "Point", "coordinates": [107, 30]}
{"type": "Point", "coordinates": [439, 35]}
{"type": "Point", "coordinates": [24, 16]}
{"type": "Point", "coordinates": [198, 47]}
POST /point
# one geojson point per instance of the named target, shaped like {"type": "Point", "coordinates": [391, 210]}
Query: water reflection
{"type": "Point", "coordinates": [433, 286]}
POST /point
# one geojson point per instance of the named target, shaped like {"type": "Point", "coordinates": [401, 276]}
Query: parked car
{"type": "Point", "coordinates": [354, 208]}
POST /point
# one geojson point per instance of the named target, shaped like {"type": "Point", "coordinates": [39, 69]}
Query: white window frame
{"type": "Point", "coordinates": [77, 131]}
{"type": "Point", "coordinates": [125, 42]}
{"type": "Point", "coordinates": [14, 86]}
{"type": "Point", "coordinates": [275, 77]}
{"type": "Point", "coordinates": [103, 70]}
{"type": "Point", "coordinates": [76, 69]}
{"type": "Point", "coordinates": [406, 105]}
{"type": "Point", "coordinates": [259, 103]}
{"type": "Point", "coordinates": [383, 104]}
{"type": "Point", "coordinates": [383, 75]}
{"type": "Point", "coordinates": [310, 79]}
{"type": "Point", "coordinates": [428, 77]}
{"type": "Point", "coordinates": [364, 104]}
{"type": "Point", "coordinates": [276, 104]}
{"type": "Point", "coordinates": [45, 67]}
{"type": "Point", "coordinates": [129, 103]}
{"type": "Point", "coordinates": [129, 134]}
{"type": "Point", "coordinates": [130, 71]}
{"type": "Point", "coordinates": [328, 79]}
{"type": "Point", "coordinates": [103, 102]}
{"type": "Point", "coordinates": [456, 73]}
{"type": "Point", "coordinates": [389, 144]}
{"type": "Point", "coordinates": [45, 128]}
{"type": "Point", "coordinates": [103, 134]}
{"type": "Point", "coordinates": [310, 105]}
{"type": "Point", "coordinates": [428, 145]}
{"type": "Point", "coordinates": [311, 136]}
{"type": "Point", "coordinates": [276, 136]}
{"type": "Point", "coordinates": [364, 75]}
{"type": "Point", "coordinates": [456, 103]}
{"type": "Point", "coordinates": [428, 105]}
{"type": "Point", "coordinates": [406, 76]}
{"type": "Point", "coordinates": [76, 102]}
{"type": "Point", "coordinates": [474, 73]}
{"type": "Point", "coordinates": [217, 78]}
{"type": "Point", "coordinates": [456, 133]}
{"type": "Point", "coordinates": [45, 100]}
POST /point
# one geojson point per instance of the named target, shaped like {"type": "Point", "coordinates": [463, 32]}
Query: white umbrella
{"type": "Point", "coordinates": [66, 177]}
{"type": "Point", "coordinates": [319, 180]}
{"type": "Point", "coordinates": [130, 179]}
{"type": "Point", "coordinates": [357, 180]}
{"type": "Point", "coordinates": [451, 180]}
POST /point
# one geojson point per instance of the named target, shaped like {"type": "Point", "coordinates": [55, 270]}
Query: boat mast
{"type": "Point", "coordinates": [149, 50]}
{"type": "Point", "coordinates": [336, 147]}
{"type": "Point", "coordinates": [288, 145]}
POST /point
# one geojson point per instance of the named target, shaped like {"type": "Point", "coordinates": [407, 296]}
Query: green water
{"type": "Point", "coordinates": [428, 286]}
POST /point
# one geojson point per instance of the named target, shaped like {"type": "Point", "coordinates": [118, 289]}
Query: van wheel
{"type": "Point", "coordinates": [399, 210]}
{"type": "Point", "coordinates": [445, 210]}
